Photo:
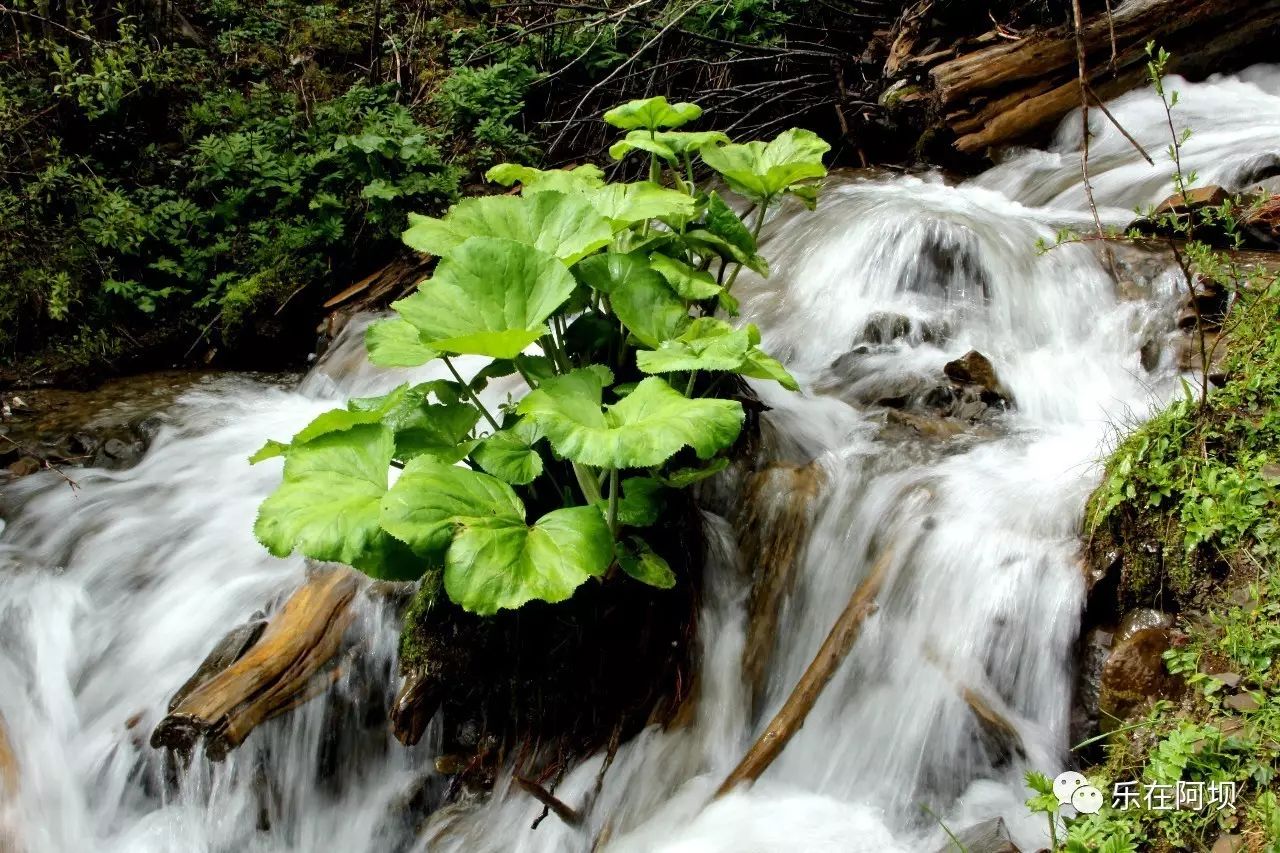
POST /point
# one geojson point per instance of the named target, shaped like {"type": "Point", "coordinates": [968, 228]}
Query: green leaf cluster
{"type": "Point", "coordinates": [601, 297]}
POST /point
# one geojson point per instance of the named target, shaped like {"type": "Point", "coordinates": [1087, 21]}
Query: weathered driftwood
{"type": "Point", "coordinates": [9, 781]}
{"type": "Point", "coordinates": [278, 672]}
{"type": "Point", "coordinates": [8, 764]}
{"type": "Point", "coordinates": [562, 810]}
{"type": "Point", "coordinates": [233, 646]}
{"type": "Point", "coordinates": [1005, 90]}
{"type": "Point", "coordinates": [844, 633]}
{"type": "Point", "coordinates": [776, 513]}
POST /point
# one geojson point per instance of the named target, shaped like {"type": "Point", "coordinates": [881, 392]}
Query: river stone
{"type": "Point", "coordinates": [24, 466]}
{"type": "Point", "coordinates": [990, 836]}
{"type": "Point", "coordinates": [117, 453]}
{"type": "Point", "coordinates": [974, 368]}
{"type": "Point", "coordinates": [1140, 618]}
{"type": "Point", "coordinates": [1135, 675]}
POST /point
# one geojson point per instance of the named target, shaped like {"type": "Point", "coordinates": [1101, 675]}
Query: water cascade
{"type": "Point", "coordinates": [111, 595]}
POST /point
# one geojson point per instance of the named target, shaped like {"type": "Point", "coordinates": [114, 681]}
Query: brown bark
{"type": "Point", "coordinates": [773, 522]}
{"type": "Point", "coordinates": [1003, 91]}
{"type": "Point", "coordinates": [9, 781]}
{"type": "Point", "coordinates": [276, 674]}
{"type": "Point", "coordinates": [844, 633]}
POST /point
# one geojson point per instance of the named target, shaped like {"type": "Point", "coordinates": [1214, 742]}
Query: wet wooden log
{"type": "Point", "coordinates": [8, 764]}
{"type": "Point", "coordinates": [772, 523]}
{"type": "Point", "coordinates": [835, 648]}
{"type": "Point", "coordinates": [282, 669]}
{"type": "Point", "coordinates": [9, 781]}
{"type": "Point", "coordinates": [1001, 91]}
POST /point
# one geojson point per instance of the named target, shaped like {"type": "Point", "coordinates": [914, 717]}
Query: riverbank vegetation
{"type": "Point", "coordinates": [185, 181]}
{"type": "Point", "coordinates": [1183, 537]}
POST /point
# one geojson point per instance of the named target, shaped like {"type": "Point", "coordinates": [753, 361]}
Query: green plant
{"type": "Point", "coordinates": [596, 294]}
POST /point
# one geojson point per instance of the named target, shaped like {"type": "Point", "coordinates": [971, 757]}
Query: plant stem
{"type": "Point", "coordinates": [587, 483]}
{"type": "Point", "coordinates": [613, 502]}
{"type": "Point", "coordinates": [755, 237]}
{"type": "Point", "coordinates": [693, 377]}
{"type": "Point", "coordinates": [528, 380]}
{"type": "Point", "coordinates": [475, 398]}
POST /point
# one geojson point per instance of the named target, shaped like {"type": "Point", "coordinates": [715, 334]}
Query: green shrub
{"type": "Point", "coordinates": [616, 285]}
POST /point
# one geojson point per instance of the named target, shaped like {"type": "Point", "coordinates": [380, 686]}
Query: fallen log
{"type": "Point", "coordinates": [772, 522]}
{"type": "Point", "coordinates": [9, 780]}
{"type": "Point", "coordinates": [278, 672]}
{"type": "Point", "coordinates": [844, 633]}
{"type": "Point", "coordinates": [1003, 91]}
{"type": "Point", "coordinates": [8, 764]}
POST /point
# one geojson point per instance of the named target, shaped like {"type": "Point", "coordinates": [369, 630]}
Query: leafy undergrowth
{"type": "Point", "coordinates": [173, 175]}
{"type": "Point", "coordinates": [1188, 510]}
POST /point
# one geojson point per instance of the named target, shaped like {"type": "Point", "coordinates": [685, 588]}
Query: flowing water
{"type": "Point", "coordinates": [111, 595]}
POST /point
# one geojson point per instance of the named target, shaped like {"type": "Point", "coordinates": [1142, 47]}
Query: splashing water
{"type": "Point", "coordinates": [111, 596]}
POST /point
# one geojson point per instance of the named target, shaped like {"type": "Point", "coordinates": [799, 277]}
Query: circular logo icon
{"type": "Point", "coordinates": [1066, 784]}
{"type": "Point", "coordinates": [1087, 799]}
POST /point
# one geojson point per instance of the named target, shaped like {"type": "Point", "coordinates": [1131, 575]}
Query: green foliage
{"type": "Point", "coordinates": [1196, 489]}
{"type": "Point", "coordinates": [157, 179]}
{"type": "Point", "coordinates": [608, 282]}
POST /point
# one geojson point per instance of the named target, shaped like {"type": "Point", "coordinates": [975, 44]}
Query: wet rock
{"type": "Point", "coordinates": [1096, 648]}
{"type": "Point", "coordinates": [24, 466]}
{"type": "Point", "coordinates": [990, 836]}
{"type": "Point", "coordinates": [1134, 675]}
{"type": "Point", "coordinates": [117, 453]}
{"type": "Point", "coordinates": [1139, 619]}
{"type": "Point", "coordinates": [974, 368]}
{"type": "Point", "coordinates": [886, 328]}
{"type": "Point", "coordinates": [1262, 224]}
{"type": "Point", "coordinates": [1192, 200]}
{"type": "Point", "coordinates": [927, 426]}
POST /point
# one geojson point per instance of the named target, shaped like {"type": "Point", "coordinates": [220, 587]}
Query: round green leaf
{"type": "Point", "coordinates": [639, 297]}
{"type": "Point", "coordinates": [491, 297]}
{"type": "Point", "coordinates": [726, 224]}
{"type": "Point", "coordinates": [327, 508]}
{"type": "Point", "coordinates": [641, 502]}
{"type": "Point", "coordinates": [639, 561]}
{"type": "Point", "coordinates": [670, 145]}
{"type": "Point", "coordinates": [503, 564]}
{"type": "Point", "coordinates": [626, 204]}
{"type": "Point", "coordinates": [509, 455]}
{"type": "Point", "coordinates": [493, 560]}
{"type": "Point", "coordinates": [395, 343]}
{"type": "Point", "coordinates": [561, 224]}
{"type": "Point", "coordinates": [431, 497]}
{"type": "Point", "coordinates": [689, 282]}
{"type": "Point", "coordinates": [708, 344]}
{"type": "Point", "coordinates": [641, 140]}
{"type": "Point", "coordinates": [647, 427]}
{"type": "Point", "coordinates": [712, 344]}
{"type": "Point", "coordinates": [533, 180]}
{"type": "Point", "coordinates": [652, 114]}
{"type": "Point", "coordinates": [763, 170]}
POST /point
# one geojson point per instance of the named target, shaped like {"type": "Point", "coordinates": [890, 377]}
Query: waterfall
{"type": "Point", "coordinates": [111, 594]}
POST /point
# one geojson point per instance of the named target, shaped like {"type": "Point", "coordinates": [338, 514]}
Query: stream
{"type": "Point", "coordinates": [111, 594]}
